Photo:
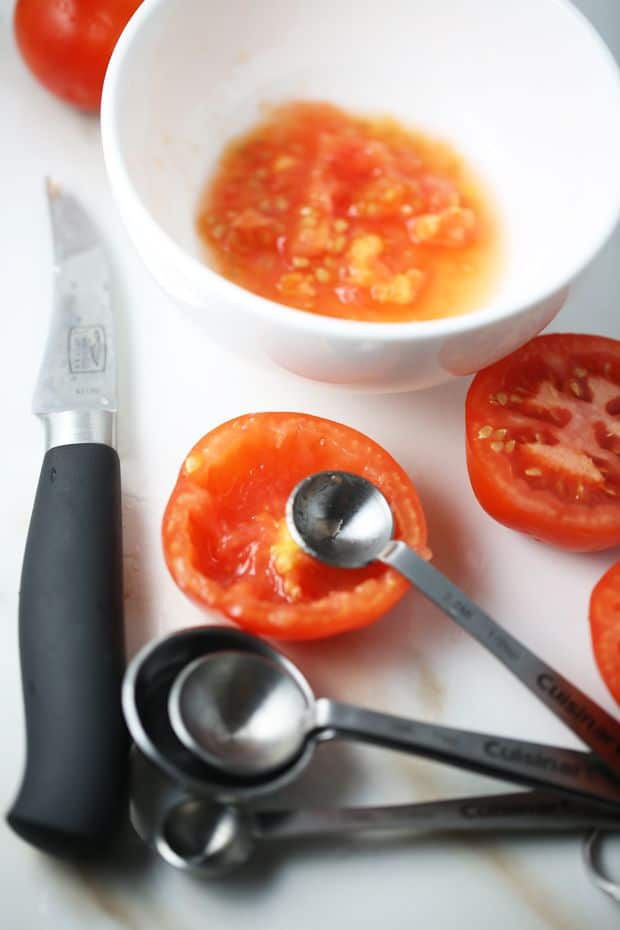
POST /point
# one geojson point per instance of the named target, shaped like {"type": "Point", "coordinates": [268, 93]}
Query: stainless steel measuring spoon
{"type": "Point", "coordinates": [591, 861]}
{"type": "Point", "coordinates": [204, 835]}
{"type": "Point", "coordinates": [343, 519]}
{"type": "Point", "coordinates": [248, 713]}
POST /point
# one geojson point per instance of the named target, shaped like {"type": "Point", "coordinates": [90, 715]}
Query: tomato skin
{"type": "Point", "coordinates": [226, 514]}
{"type": "Point", "coordinates": [533, 507]}
{"type": "Point", "coordinates": [67, 44]}
{"type": "Point", "coordinates": [605, 628]}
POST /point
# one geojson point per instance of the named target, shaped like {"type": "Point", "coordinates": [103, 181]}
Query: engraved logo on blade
{"type": "Point", "coordinates": [87, 349]}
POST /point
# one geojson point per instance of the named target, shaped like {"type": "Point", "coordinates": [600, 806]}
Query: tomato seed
{"type": "Point", "coordinates": [193, 461]}
{"type": "Point", "coordinates": [485, 432]}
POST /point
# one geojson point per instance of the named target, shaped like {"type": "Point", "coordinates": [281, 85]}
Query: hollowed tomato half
{"type": "Point", "coordinates": [226, 541]}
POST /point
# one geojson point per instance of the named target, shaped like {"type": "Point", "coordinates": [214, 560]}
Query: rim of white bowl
{"type": "Point", "coordinates": [305, 320]}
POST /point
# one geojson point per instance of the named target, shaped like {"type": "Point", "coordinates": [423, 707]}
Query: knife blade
{"type": "Point", "coordinates": [73, 788]}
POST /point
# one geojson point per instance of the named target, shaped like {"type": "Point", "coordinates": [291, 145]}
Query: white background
{"type": "Point", "coordinates": [174, 386]}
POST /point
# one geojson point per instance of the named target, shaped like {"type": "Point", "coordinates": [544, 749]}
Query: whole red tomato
{"type": "Point", "coordinates": [67, 44]}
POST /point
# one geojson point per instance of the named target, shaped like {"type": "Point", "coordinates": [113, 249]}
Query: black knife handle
{"type": "Point", "coordinates": [71, 647]}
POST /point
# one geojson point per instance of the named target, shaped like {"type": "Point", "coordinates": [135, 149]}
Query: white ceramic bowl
{"type": "Point", "coordinates": [526, 91]}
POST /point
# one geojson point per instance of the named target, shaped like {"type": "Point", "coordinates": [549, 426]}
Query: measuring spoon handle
{"type": "Point", "coordinates": [523, 810]}
{"type": "Point", "coordinates": [598, 729]}
{"type": "Point", "coordinates": [532, 764]}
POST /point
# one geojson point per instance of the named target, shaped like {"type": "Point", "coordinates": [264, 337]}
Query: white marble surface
{"type": "Point", "coordinates": [174, 386]}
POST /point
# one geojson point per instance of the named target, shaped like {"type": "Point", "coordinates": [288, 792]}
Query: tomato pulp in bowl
{"type": "Point", "coordinates": [188, 76]}
{"type": "Point", "coordinates": [350, 217]}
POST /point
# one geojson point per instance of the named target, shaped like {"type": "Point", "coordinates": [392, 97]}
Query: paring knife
{"type": "Point", "coordinates": [71, 598]}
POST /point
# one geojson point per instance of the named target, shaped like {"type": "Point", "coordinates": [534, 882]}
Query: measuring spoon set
{"type": "Point", "coordinates": [227, 719]}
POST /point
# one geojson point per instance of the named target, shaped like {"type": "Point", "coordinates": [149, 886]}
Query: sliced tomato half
{"type": "Point", "coordinates": [605, 628]}
{"type": "Point", "coordinates": [225, 537]}
{"type": "Point", "coordinates": [543, 440]}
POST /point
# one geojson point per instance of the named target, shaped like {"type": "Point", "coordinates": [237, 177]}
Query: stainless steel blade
{"type": "Point", "coordinates": [78, 373]}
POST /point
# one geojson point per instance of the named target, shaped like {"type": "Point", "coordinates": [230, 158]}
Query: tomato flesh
{"type": "Point", "coordinates": [605, 628]}
{"type": "Point", "coordinates": [225, 537]}
{"type": "Point", "coordinates": [349, 217]}
{"type": "Point", "coordinates": [543, 440]}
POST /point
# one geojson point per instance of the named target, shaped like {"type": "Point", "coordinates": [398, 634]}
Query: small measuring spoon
{"type": "Point", "coordinates": [252, 715]}
{"type": "Point", "coordinates": [203, 835]}
{"type": "Point", "coordinates": [590, 857]}
{"type": "Point", "coordinates": [343, 519]}
{"type": "Point", "coordinates": [207, 836]}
